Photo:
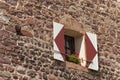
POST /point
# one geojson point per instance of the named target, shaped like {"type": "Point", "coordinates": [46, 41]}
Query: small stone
{"type": "Point", "coordinates": [3, 5]}
{"type": "Point", "coordinates": [2, 46]}
{"type": "Point", "coordinates": [26, 33]}
{"type": "Point", "coordinates": [118, 36]}
{"type": "Point", "coordinates": [1, 68]}
{"type": "Point", "coordinates": [12, 2]}
{"type": "Point", "coordinates": [32, 62]}
{"type": "Point", "coordinates": [11, 69]}
{"type": "Point", "coordinates": [40, 76]}
{"type": "Point", "coordinates": [1, 78]}
{"type": "Point", "coordinates": [21, 44]}
{"type": "Point", "coordinates": [10, 28]}
{"type": "Point", "coordinates": [15, 76]}
{"type": "Point", "coordinates": [45, 76]}
{"type": "Point", "coordinates": [1, 25]}
{"type": "Point", "coordinates": [5, 75]}
{"type": "Point", "coordinates": [43, 70]}
{"type": "Point", "coordinates": [5, 60]}
{"type": "Point", "coordinates": [22, 57]}
{"type": "Point", "coordinates": [118, 60]}
{"type": "Point", "coordinates": [61, 78]}
{"type": "Point", "coordinates": [30, 21]}
{"type": "Point", "coordinates": [31, 73]}
{"type": "Point", "coordinates": [25, 78]}
{"type": "Point", "coordinates": [25, 65]}
{"type": "Point", "coordinates": [37, 68]}
{"type": "Point", "coordinates": [118, 0]}
{"type": "Point", "coordinates": [52, 77]}
{"type": "Point", "coordinates": [4, 18]}
{"type": "Point", "coordinates": [102, 30]}
{"type": "Point", "coordinates": [30, 66]}
{"type": "Point", "coordinates": [20, 69]}
{"type": "Point", "coordinates": [20, 78]}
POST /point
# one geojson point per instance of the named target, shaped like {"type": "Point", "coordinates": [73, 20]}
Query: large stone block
{"type": "Point", "coordinates": [71, 24]}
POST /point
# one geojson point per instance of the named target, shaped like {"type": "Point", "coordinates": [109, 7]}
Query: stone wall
{"type": "Point", "coordinates": [29, 56]}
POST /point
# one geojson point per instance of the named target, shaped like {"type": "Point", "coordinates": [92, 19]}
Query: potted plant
{"type": "Point", "coordinates": [72, 58]}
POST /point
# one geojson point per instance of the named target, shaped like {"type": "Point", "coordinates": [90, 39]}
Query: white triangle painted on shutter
{"type": "Point", "coordinates": [82, 55]}
{"type": "Point", "coordinates": [94, 64]}
{"type": "Point", "coordinates": [56, 29]}
{"type": "Point", "coordinates": [55, 47]}
{"type": "Point", "coordinates": [93, 39]}
{"type": "Point", "coordinates": [58, 56]}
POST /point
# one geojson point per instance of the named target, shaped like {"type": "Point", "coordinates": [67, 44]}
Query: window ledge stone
{"type": "Point", "coordinates": [76, 66]}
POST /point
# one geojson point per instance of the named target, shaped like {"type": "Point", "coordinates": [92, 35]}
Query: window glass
{"type": "Point", "coordinates": [69, 44]}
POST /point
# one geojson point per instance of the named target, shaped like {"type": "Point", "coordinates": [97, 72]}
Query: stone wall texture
{"type": "Point", "coordinates": [30, 56]}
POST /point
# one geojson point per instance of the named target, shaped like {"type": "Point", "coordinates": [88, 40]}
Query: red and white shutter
{"type": "Point", "coordinates": [91, 51]}
{"type": "Point", "coordinates": [58, 43]}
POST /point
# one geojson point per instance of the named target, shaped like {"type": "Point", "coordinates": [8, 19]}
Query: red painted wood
{"type": "Point", "coordinates": [90, 50]}
{"type": "Point", "coordinates": [60, 42]}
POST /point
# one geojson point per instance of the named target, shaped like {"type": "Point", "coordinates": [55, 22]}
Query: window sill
{"type": "Point", "coordinates": [76, 66]}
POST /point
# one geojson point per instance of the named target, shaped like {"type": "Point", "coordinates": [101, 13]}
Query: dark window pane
{"type": "Point", "coordinates": [69, 44]}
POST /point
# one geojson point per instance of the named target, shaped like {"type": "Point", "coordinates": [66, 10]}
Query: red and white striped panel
{"type": "Point", "coordinates": [91, 51]}
{"type": "Point", "coordinates": [58, 43]}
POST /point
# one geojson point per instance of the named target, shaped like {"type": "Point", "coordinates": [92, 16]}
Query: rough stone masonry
{"type": "Point", "coordinates": [29, 56]}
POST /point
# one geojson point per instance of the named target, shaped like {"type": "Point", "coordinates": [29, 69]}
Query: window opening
{"type": "Point", "coordinates": [69, 44]}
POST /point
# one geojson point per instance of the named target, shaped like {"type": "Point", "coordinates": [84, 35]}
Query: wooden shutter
{"type": "Point", "coordinates": [58, 43]}
{"type": "Point", "coordinates": [91, 51]}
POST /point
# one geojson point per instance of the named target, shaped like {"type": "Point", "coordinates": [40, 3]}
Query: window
{"type": "Point", "coordinates": [69, 44]}
{"type": "Point", "coordinates": [70, 41]}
